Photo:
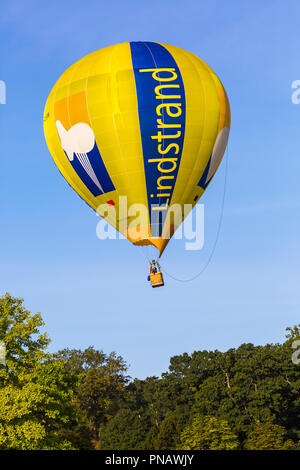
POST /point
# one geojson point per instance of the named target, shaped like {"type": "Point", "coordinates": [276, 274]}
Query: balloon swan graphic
{"type": "Point", "coordinates": [79, 140]}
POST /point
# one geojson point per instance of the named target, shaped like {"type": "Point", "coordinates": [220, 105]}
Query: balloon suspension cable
{"type": "Point", "coordinates": [144, 254]}
{"type": "Point", "coordinates": [217, 235]}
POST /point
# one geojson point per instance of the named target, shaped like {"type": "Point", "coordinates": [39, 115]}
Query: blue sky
{"type": "Point", "coordinates": [93, 292]}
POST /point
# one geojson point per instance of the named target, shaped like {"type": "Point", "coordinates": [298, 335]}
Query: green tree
{"type": "Point", "coordinates": [101, 382]}
{"type": "Point", "coordinates": [127, 430]}
{"type": "Point", "coordinates": [35, 392]}
{"type": "Point", "coordinates": [268, 436]}
{"type": "Point", "coordinates": [208, 433]}
{"type": "Point", "coordinates": [168, 434]}
{"type": "Point", "coordinates": [249, 385]}
{"type": "Point", "coordinates": [25, 345]}
{"type": "Point", "coordinates": [32, 414]}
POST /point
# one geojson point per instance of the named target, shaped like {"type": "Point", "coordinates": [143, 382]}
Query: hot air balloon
{"type": "Point", "coordinates": [143, 122]}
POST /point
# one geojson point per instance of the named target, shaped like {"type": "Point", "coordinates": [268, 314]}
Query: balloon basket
{"type": "Point", "coordinates": [157, 280]}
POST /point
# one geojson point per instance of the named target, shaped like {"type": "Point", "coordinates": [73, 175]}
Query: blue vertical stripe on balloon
{"type": "Point", "coordinates": [202, 182]}
{"type": "Point", "coordinates": [99, 170]}
{"type": "Point", "coordinates": [149, 55]}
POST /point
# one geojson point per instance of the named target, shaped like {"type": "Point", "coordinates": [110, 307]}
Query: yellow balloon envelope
{"type": "Point", "coordinates": [138, 130]}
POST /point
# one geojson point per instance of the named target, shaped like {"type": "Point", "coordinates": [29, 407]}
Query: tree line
{"type": "Point", "coordinates": [244, 398]}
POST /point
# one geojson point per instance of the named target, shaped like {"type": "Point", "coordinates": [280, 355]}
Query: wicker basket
{"type": "Point", "coordinates": [156, 279]}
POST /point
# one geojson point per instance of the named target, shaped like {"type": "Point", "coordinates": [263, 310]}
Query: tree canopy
{"type": "Point", "coordinates": [243, 398]}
